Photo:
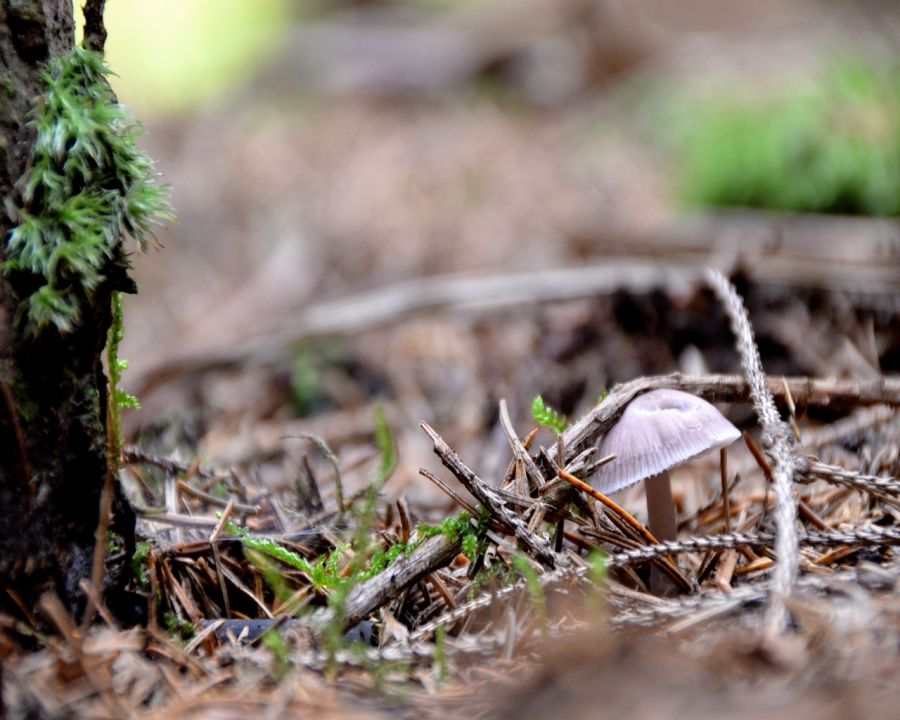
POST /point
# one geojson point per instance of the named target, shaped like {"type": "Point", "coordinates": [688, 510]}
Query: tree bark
{"type": "Point", "coordinates": [53, 390]}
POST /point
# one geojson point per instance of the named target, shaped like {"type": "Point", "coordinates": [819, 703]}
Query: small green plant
{"type": "Point", "coordinates": [271, 572]}
{"type": "Point", "coordinates": [440, 654]}
{"type": "Point", "coordinates": [497, 572]}
{"type": "Point", "coordinates": [546, 416]}
{"type": "Point", "coordinates": [460, 527]}
{"type": "Point", "coordinates": [831, 144]}
{"type": "Point", "coordinates": [275, 643]}
{"type": "Point", "coordinates": [535, 589]}
{"type": "Point", "coordinates": [598, 571]}
{"type": "Point", "coordinates": [329, 574]}
{"type": "Point", "coordinates": [364, 515]}
{"type": "Point", "coordinates": [118, 398]}
{"type": "Point", "coordinates": [139, 564]}
{"type": "Point", "coordinates": [180, 629]}
{"type": "Point", "coordinates": [88, 184]}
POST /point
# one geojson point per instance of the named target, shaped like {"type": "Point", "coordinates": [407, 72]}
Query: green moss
{"type": "Point", "coordinates": [8, 86]}
{"type": "Point", "coordinates": [440, 654]}
{"type": "Point", "coordinates": [139, 564]}
{"type": "Point", "coordinates": [118, 398]}
{"type": "Point", "coordinates": [546, 416]}
{"type": "Point", "coordinates": [496, 572]}
{"type": "Point", "coordinates": [88, 184]}
{"type": "Point", "coordinates": [182, 630]}
{"type": "Point", "coordinates": [114, 542]}
{"type": "Point", "coordinates": [598, 564]}
{"type": "Point", "coordinates": [831, 144]}
{"type": "Point", "coordinates": [329, 574]}
{"type": "Point", "coordinates": [271, 572]}
{"type": "Point", "coordinates": [275, 643]}
{"type": "Point", "coordinates": [461, 528]}
{"type": "Point", "coordinates": [535, 589]}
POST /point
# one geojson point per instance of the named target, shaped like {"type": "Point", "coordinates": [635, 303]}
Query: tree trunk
{"type": "Point", "coordinates": [53, 391]}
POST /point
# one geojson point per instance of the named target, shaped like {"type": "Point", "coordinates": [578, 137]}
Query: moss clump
{"type": "Point", "coordinates": [87, 185]}
{"type": "Point", "coordinates": [471, 536]}
{"type": "Point", "coordinates": [139, 564]}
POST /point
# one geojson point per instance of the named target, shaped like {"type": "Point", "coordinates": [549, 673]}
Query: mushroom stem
{"type": "Point", "coordinates": [661, 515]}
{"type": "Point", "coordinates": [661, 507]}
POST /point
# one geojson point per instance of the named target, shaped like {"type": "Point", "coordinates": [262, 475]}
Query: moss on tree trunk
{"type": "Point", "coordinates": [53, 390]}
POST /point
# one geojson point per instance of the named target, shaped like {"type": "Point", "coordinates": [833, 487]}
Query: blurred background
{"type": "Point", "coordinates": [433, 204]}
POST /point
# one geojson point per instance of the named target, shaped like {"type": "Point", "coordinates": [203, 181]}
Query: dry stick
{"type": "Point", "coordinates": [464, 504]}
{"type": "Point", "coordinates": [855, 423]}
{"type": "Point", "coordinates": [858, 536]}
{"type": "Point", "coordinates": [511, 468]}
{"type": "Point", "coordinates": [90, 591]}
{"type": "Point", "coordinates": [669, 567]}
{"type": "Point", "coordinates": [725, 570]}
{"type": "Point", "coordinates": [223, 520]}
{"type": "Point", "coordinates": [99, 562]}
{"type": "Point", "coordinates": [726, 563]}
{"type": "Point", "coordinates": [723, 475]}
{"type": "Point", "coordinates": [611, 504]}
{"type": "Point", "coordinates": [792, 409]}
{"type": "Point", "coordinates": [12, 409]}
{"type": "Point", "coordinates": [133, 455]}
{"type": "Point", "coordinates": [534, 475]}
{"type": "Point", "coordinates": [442, 590]}
{"type": "Point", "coordinates": [777, 439]}
{"type": "Point", "coordinates": [811, 470]}
{"type": "Point", "coordinates": [804, 510]}
{"type": "Point", "coordinates": [431, 555]}
{"type": "Point", "coordinates": [865, 536]}
{"type": "Point", "coordinates": [538, 547]}
{"type": "Point", "coordinates": [434, 553]}
{"type": "Point", "coordinates": [403, 515]}
{"type": "Point", "coordinates": [331, 457]}
{"type": "Point", "coordinates": [394, 303]}
{"type": "Point", "coordinates": [188, 489]}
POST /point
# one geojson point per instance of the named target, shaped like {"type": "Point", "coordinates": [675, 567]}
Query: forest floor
{"type": "Point", "coordinates": [343, 508]}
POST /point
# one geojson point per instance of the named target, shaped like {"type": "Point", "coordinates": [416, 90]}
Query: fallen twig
{"type": "Point", "coordinates": [778, 441]}
{"type": "Point", "coordinates": [367, 597]}
{"type": "Point", "coordinates": [810, 470]}
{"type": "Point", "coordinates": [494, 503]}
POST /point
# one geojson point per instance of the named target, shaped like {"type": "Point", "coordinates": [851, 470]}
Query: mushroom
{"type": "Point", "coordinates": [658, 431]}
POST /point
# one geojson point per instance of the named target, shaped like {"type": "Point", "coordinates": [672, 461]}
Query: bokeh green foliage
{"type": "Point", "coordinates": [828, 145]}
{"type": "Point", "coordinates": [87, 185]}
{"type": "Point", "coordinates": [172, 56]}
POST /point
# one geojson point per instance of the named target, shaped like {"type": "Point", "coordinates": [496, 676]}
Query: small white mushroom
{"type": "Point", "coordinates": [658, 431]}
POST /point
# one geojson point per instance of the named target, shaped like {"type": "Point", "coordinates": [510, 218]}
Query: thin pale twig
{"type": "Point", "coordinates": [777, 439]}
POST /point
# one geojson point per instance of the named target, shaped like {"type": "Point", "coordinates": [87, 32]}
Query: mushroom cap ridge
{"type": "Point", "coordinates": [658, 431]}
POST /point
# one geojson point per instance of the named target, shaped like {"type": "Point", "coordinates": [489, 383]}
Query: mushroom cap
{"type": "Point", "coordinates": [657, 431]}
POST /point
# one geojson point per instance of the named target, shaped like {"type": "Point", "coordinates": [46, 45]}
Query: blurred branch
{"type": "Point", "coordinates": [94, 29]}
{"type": "Point", "coordinates": [393, 303]}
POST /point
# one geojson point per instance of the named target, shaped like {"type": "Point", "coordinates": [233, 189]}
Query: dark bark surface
{"type": "Point", "coordinates": [53, 391]}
